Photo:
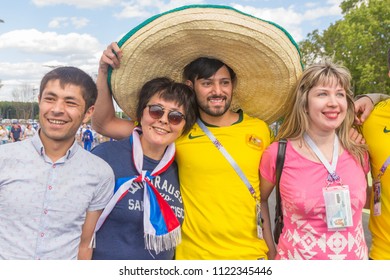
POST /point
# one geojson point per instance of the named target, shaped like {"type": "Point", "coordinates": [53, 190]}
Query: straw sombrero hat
{"type": "Point", "coordinates": [264, 56]}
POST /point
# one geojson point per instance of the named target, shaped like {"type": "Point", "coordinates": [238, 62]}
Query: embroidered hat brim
{"type": "Point", "coordinates": [264, 56]}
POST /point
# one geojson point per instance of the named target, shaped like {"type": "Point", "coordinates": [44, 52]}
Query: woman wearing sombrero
{"type": "Point", "coordinates": [214, 49]}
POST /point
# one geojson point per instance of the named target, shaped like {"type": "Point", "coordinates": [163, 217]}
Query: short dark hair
{"type": "Point", "coordinates": [74, 76]}
{"type": "Point", "coordinates": [204, 68]}
{"type": "Point", "coordinates": [169, 90]}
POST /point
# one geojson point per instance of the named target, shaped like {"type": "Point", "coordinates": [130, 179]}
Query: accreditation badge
{"type": "Point", "coordinates": [259, 221]}
{"type": "Point", "coordinates": [377, 197]}
{"type": "Point", "coordinates": [338, 207]}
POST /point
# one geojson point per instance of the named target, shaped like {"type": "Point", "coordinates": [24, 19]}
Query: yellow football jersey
{"type": "Point", "coordinates": [376, 131]}
{"type": "Point", "coordinates": [220, 220]}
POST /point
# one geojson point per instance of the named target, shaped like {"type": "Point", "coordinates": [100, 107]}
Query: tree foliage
{"type": "Point", "coordinates": [360, 41]}
{"type": "Point", "coordinates": [348, 5]}
{"type": "Point", "coordinates": [19, 110]}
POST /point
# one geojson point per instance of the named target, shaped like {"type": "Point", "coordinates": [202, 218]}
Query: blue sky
{"type": "Point", "coordinates": [37, 34]}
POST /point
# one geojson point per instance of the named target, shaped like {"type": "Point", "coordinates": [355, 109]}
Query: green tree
{"type": "Point", "coordinates": [347, 5]}
{"type": "Point", "coordinates": [360, 41]}
{"type": "Point", "coordinates": [19, 110]}
{"type": "Point", "coordinates": [311, 48]}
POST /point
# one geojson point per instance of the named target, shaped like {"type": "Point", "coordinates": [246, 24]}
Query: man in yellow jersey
{"type": "Point", "coordinates": [219, 209]}
{"type": "Point", "coordinates": [376, 131]}
{"type": "Point", "coordinates": [237, 52]}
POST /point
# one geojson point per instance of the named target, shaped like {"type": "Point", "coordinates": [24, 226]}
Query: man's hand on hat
{"type": "Point", "coordinates": [111, 57]}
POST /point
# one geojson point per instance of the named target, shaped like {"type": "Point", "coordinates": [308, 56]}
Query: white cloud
{"type": "Point", "coordinates": [48, 49]}
{"type": "Point", "coordinates": [322, 11]}
{"type": "Point", "coordinates": [49, 43]}
{"type": "Point", "coordinates": [334, 2]}
{"type": "Point", "coordinates": [79, 22]}
{"type": "Point", "coordinates": [311, 4]}
{"type": "Point", "coordinates": [131, 10]}
{"type": "Point", "coordinates": [293, 17]}
{"type": "Point", "coordinates": [318, 9]}
{"type": "Point", "coordinates": [287, 18]}
{"type": "Point", "coordinates": [58, 22]}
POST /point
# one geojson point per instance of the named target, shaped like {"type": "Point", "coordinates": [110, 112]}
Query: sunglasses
{"type": "Point", "coordinates": [157, 111]}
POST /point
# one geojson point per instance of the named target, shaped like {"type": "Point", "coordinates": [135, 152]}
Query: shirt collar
{"type": "Point", "coordinates": [240, 118]}
{"type": "Point", "coordinates": [38, 146]}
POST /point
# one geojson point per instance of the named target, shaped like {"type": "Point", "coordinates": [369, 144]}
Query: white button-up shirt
{"type": "Point", "coordinates": [43, 204]}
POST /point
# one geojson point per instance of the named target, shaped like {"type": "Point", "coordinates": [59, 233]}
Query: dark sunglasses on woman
{"type": "Point", "coordinates": [157, 111]}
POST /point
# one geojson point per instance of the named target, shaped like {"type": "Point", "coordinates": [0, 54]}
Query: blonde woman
{"type": "Point", "coordinates": [323, 183]}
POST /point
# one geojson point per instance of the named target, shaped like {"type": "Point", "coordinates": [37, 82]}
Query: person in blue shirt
{"type": "Point", "coordinates": [87, 138]}
{"type": "Point", "coordinates": [143, 219]}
